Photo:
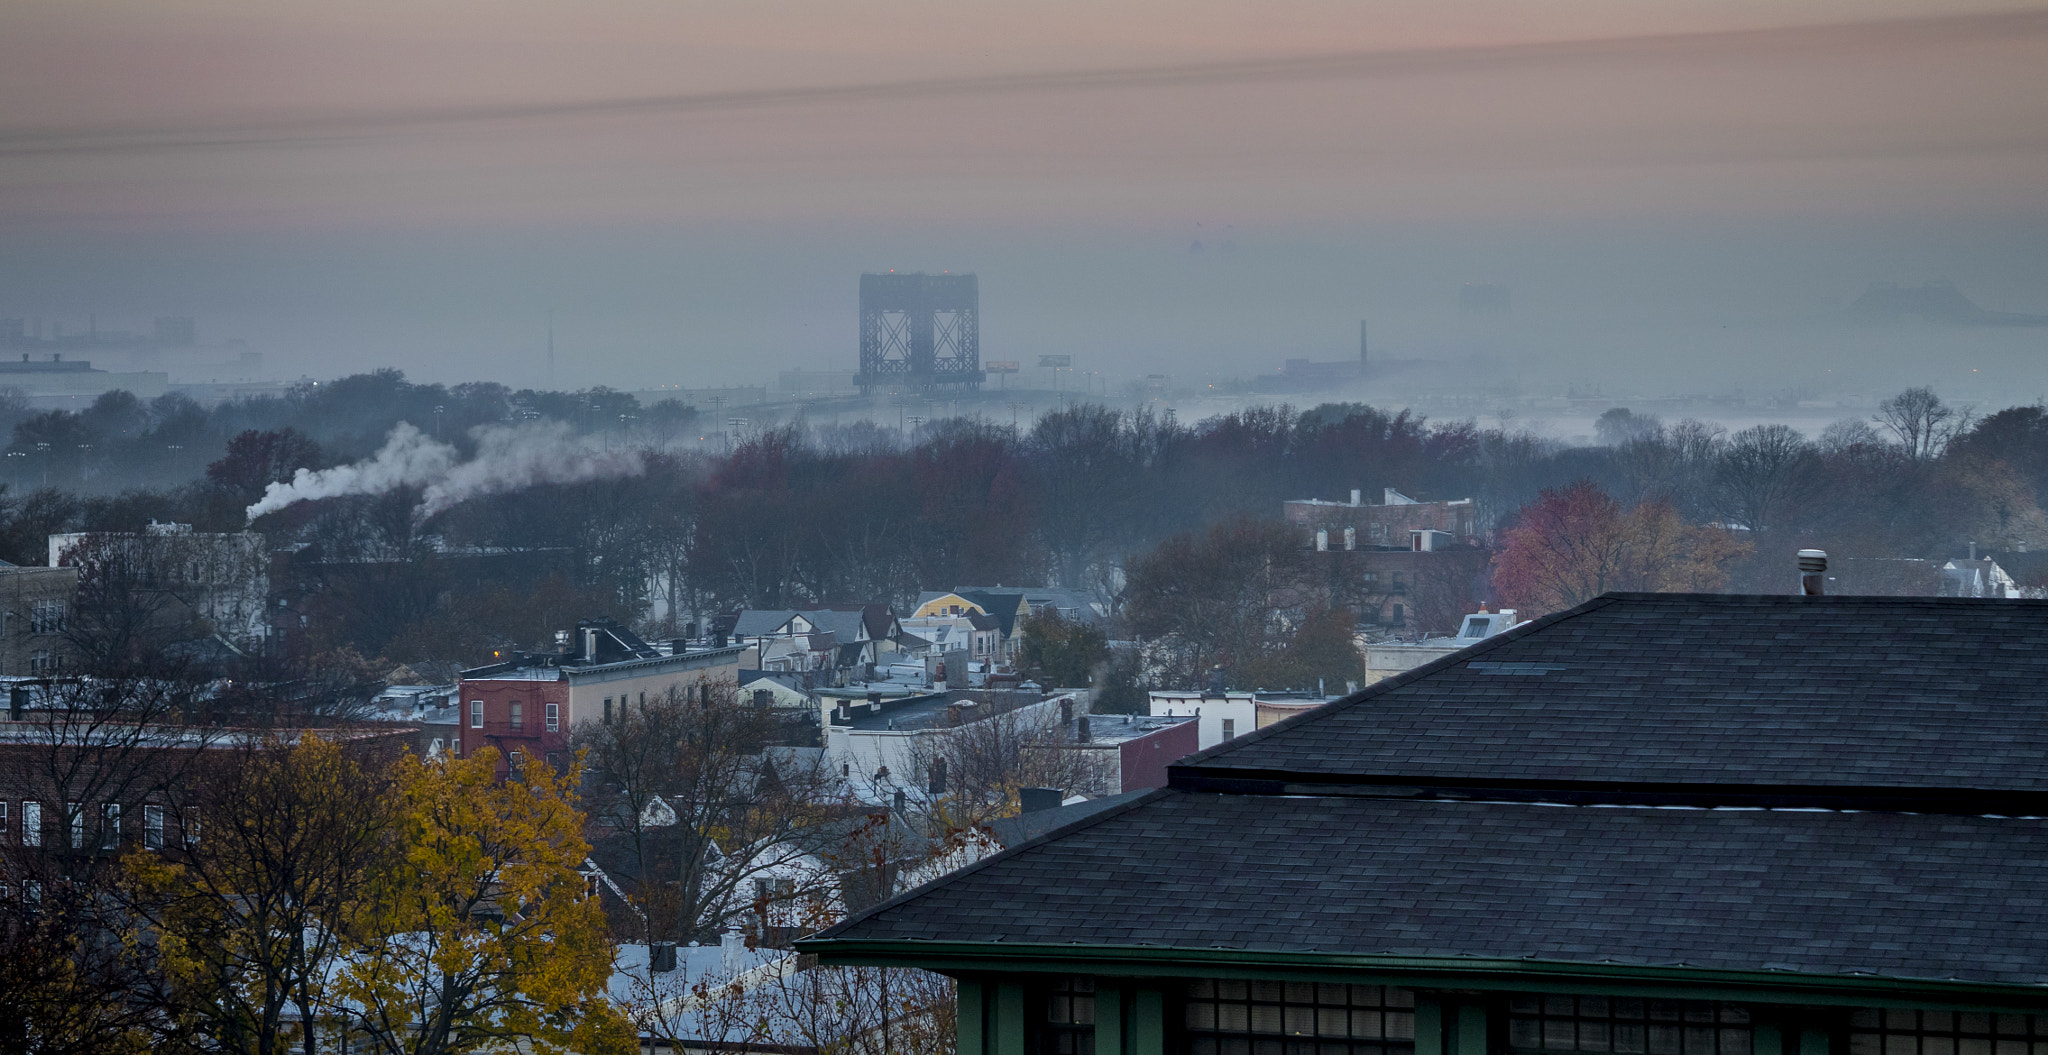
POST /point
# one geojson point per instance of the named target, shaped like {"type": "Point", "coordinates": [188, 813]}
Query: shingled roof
{"type": "Point", "coordinates": [1823, 892]}
{"type": "Point", "coordinates": [1859, 692]}
{"type": "Point", "coordinates": [1503, 804]}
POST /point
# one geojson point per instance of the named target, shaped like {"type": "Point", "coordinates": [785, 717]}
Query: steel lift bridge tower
{"type": "Point", "coordinates": [920, 331]}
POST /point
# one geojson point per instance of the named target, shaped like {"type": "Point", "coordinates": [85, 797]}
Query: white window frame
{"type": "Point", "coordinates": [518, 716]}
{"type": "Point", "coordinates": [152, 827]}
{"type": "Point", "coordinates": [110, 826]}
{"type": "Point", "coordinates": [554, 717]}
{"type": "Point", "coordinates": [31, 823]}
{"type": "Point", "coordinates": [76, 812]}
{"type": "Point", "coordinates": [476, 714]}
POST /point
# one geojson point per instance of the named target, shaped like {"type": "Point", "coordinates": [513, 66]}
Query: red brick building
{"type": "Point", "coordinates": [516, 710]}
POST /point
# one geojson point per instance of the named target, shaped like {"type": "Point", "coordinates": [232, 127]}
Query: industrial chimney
{"type": "Point", "coordinates": [1813, 566]}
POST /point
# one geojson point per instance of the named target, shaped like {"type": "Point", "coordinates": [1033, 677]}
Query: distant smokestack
{"type": "Point", "coordinates": [1813, 566]}
{"type": "Point", "coordinates": [1361, 348]}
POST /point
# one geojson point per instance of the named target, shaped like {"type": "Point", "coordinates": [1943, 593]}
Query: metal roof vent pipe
{"type": "Point", "coordinates": [1813, 566]}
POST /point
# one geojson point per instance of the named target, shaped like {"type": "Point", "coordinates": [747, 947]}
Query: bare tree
{"type": "Point", "coordinates": [1757, 472]}
{"type": "Point", "coordinates": [967, 775]}
{"type": "Point", "coordinates": [686, 797]}
{"type": "Point", "coordinates": [1228, 595]}
{"type": "Point", "coordinates": [1922, 422]}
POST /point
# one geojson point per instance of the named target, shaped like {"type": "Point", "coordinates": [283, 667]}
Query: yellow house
{"type": "Point", "coordinates": [938, 604]}
{"type": "Point", "coordinates": [1009, 607]}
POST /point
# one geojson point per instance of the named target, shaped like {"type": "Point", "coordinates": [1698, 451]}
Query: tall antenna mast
{"type": "Point", "coordinates": [551, 348]}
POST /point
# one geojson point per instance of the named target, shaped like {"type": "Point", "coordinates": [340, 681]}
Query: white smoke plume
{"type": "Point", "coordinates": [507, 459]}
{"type": "Point", "coordinates": [512, 459]}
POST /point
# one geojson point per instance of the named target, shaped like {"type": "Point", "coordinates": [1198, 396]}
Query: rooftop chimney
{"type": "Point", "coordinates": [1032, 800]}
{"type": "Point", "coordinates": [1813, 566]}
{"type": "Point", "coordinates": [1356, 496]}
{"type": "Point", "coordinates": [732, 952]}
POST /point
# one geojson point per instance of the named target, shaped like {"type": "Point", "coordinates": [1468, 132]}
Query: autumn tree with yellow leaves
{"type": "Point", "coordinates": [481, 931]}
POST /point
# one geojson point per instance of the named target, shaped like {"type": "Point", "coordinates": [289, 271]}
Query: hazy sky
{"type": "Point", "coordinates": [1670, 188]}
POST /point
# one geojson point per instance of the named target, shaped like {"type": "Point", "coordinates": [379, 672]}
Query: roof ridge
{"type": "Point", "coordinates": [1387, 685]}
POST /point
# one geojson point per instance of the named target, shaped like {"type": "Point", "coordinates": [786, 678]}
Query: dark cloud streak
{"type": "Point", "coordinates": [1857, 38]}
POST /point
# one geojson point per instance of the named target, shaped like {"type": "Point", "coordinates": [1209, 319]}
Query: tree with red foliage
{"type": "Point", "coordinates": [1576, 542]}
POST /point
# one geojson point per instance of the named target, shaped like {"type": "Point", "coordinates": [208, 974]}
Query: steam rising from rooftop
{"type": "Point", "coordinates": [508, 458]}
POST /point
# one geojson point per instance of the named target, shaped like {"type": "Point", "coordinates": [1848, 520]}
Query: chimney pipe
{"type": "Point", "coordinates": [1813, 566]}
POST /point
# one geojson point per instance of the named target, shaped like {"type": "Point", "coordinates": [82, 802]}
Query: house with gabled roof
{"type": "Point", "coordinates": [1008, 609]}
{"type": "Point", "coordinates": [1653, 824]}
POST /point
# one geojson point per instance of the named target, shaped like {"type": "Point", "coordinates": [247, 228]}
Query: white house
{"type": "Point", "coordinates": [1223, 717]}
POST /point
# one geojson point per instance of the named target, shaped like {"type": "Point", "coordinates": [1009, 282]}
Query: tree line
{"type": "Point", "coordinates": [1082, 498]}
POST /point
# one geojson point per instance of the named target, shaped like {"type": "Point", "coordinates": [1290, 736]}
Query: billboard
{"type": "Point", "coordinates": [1000, 366]}
{"type": "Point", "coordinates": [1056, 360]}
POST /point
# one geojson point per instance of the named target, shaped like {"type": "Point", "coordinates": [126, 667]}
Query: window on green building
{"type": "Point", "coordinates": [1068, 1027]}
{"type": "Point", "coordinates": [1903, 1031]}
{"type": "Point", "coordinates": [1600, 1025]}
{"type": "Point", "coordinates": [1239, 1017]}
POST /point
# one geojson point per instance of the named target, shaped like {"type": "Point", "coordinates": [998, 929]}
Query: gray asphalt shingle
{"type": "Point", "coordinates": [1849, 691]}
{"type": "Point", "coordinates": [1816, 891]}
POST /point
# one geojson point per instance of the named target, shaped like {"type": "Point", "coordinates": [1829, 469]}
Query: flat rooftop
{"type": "Point", "coordinates": [1111, 729]}
{"type": "Point", "coordinates": [929, 711]}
